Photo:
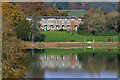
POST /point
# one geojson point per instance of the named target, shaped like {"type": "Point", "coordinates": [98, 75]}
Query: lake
{"type": "Point", "coordinates": [72, 63]}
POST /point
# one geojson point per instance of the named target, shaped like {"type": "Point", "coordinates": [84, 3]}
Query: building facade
{"type": "Point", "coordinates": [57, 22]}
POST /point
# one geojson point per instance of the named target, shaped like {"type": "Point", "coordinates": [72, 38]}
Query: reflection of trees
{"type": "Point", "coordinates": [110, 50]}
{"type": "Point", "coordinates": [34, 66]}
{"type": "Point", "coordinates": [99, 62]}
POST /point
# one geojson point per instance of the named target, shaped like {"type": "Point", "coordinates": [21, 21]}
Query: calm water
{"type": "Point", "coordinates": [76, 63]}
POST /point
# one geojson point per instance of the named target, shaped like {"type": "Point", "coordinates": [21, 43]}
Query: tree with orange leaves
{"type": "Point", "coordinates": [72, 26]}
{"type": "Point", "coordinates": [83, 4]}
{"type": "Point", "coordinates": [12, 11]}
{"type": "Point", "coordinates": [54, 5]}
{"type": "Point", "coordinates": [30, 8]}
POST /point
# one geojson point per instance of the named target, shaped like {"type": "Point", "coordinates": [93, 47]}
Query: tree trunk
{"type": "Point", "coordinates": [32, 38]}
{"type": "Point", "coordinates": [32, 43]}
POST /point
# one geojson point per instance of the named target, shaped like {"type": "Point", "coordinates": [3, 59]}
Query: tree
{"type": "Point", "coordinates": [12, 63]}
{"type": "Point", "coordinates": [83, 4]}
{"type": "Point", "coordinates": [29, 31]}
{"type": "Point", "coordinates": [54, 5]}
{"type": "Point", "coordinates": [53, 12]}
{"type": "Point", "coordinates": [23, 30]}
{"type": "Point", "coordinates": [30, 8]}
{"type": "Point", "coordinates": [72, 26]}
{"type": "Point", "coordinates": [96, 20]}
{"type": "Point", "coordinates": [12, 11]}
{"type": "Point", "coordinates": [34, 27]}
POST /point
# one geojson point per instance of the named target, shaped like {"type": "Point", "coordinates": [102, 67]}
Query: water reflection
{"type": "Point", "coordinates": [79, 65]}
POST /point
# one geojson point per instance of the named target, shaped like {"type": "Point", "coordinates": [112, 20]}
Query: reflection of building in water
{"type": "Point", "coordinates": [57, 61]}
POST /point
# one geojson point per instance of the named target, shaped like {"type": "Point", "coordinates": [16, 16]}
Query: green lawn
{"type": "Point", "coordinates": [77, 13]}
{"type": "Point", "coordinates": [62, 36]}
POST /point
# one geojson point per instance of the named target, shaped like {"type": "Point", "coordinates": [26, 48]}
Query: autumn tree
{"type": "Point", "coordinates": [12, 11]}
{"type": "Point", "coordinates": [72, 26]}
{"type": "Point", "coordinates": [53, 12]}
{"type": "Point", "coordinates": [12, 63]}
{"type": "Point", "coordinates": [30, 8]}
{"type": "Point", "coordinates": [96, 20]}
{"type": "Point", "coordinates": [112, 20]}
{"type": "Point", "coordinates": [83, 4]}
{"type": "Point", "coordinates": [54, 5]}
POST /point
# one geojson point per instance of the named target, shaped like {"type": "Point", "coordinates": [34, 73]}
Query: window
{"type": "Point", "coordinates": [45, 21]}
{"type": "Point", "coordinates": [68, 21]}
{"type": "Point", "coordinates": [62, 21]}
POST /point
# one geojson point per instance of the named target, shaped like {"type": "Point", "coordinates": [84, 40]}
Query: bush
{"type": "Point", "coordinates": [110, 39]}
{"type": "Point", "coordinates": [80, 32]}
{"type": "Point", "coordinates": [72, 40]}
{"type": "Point", "coordinates": [98, 33]}
{"type": "Point", "coordinates": [109, 33]}
{"type": "Point", "coordinates": [61, 29]}
{"type": "Point", "coordinates": [40, 38]}
{"type": "Point", "coordinates": [23, 31]}
{"type": "Point", "coordinates": [106, 33]}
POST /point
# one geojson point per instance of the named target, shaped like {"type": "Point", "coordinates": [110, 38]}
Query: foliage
{"type": "Point", "coordinates": [61, 29]}
{"type": "Point", "coordinates": [28, 32]}
{"type": "Point", "coordinates": [40, 38]}
{"type": "Point", "coordinates": [110, 39]}
{"type": "Point", "coordinates": [98, 33]}
{"type": "Point", "coordinates": [98, 21]}
{"type": "Point", "coordinates": [72, 40]}
{"type": "Point", "coordinates": [13, 62]}
{"type": "Point", "coordinates": [30, 8]}
{"type": "Point", "coordinates": [12, 11]}
{"type": "Point", "coordinates": [55, 12]}
{"type": "Point", "coordinates": [86, 33]}
{"type": "Point", "coordinates": [39, 8]}
{"type": "Point", "coordinates": [106, 33]}
{"type": "Point", "coordinates": [23, 30]}
{"type": "Point", "coordinates": [109, 6]}
{"type": "Point", "coordinates": [109, 33]}
{"type": "Point", "coordinates": [72, 24]}
{"type": "Point", "coordinates": [35, 33]}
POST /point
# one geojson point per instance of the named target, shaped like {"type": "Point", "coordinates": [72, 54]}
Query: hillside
{"type": "Point", "coordinates": [105, 6]}
{"type": "Point", "coordinates": [76, 12]}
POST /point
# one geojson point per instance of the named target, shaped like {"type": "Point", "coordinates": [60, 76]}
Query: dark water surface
{"type": "Point", "coordinates": [76, 63]}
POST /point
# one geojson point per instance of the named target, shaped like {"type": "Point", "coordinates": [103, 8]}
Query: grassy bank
{"type": "Point", "coordinates": [72, 51]}
{"type": "Point", "coordinates": [63, 36]}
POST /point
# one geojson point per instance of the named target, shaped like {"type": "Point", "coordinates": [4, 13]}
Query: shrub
{"type": "Point", "coordinates": [72, 40]}
{"type": "Point", "coordinates": [110, 39]}
{"type": "Point", "coordinates": [61, 29]}
{"type": "Point", "coordinates": [40, 38]}
{"type": "Point", "coordinates": [109, 33]}
{"type": "Point", "coordinates": [98, 33]}
{"type": "Point", "coordinates": [80, 32]}
{"type": "Point", "coordinates": [23, 31]}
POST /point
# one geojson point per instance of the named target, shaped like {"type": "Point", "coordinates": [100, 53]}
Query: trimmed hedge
{"type": "Point", "coordinates": [109, 33]}
{"type": "Point", "coordinates": [80, 32]}
{"type": "Point", "coordinates": [61, 29]}
{"type": "Point", "coordinates": [98, 33]}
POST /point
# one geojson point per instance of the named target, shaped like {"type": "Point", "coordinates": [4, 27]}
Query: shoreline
{"type": "Point", "coordinates": [69, 45]}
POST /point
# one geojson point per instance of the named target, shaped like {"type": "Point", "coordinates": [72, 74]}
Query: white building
{"type": "Point", "coordinates": [57, 22]}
